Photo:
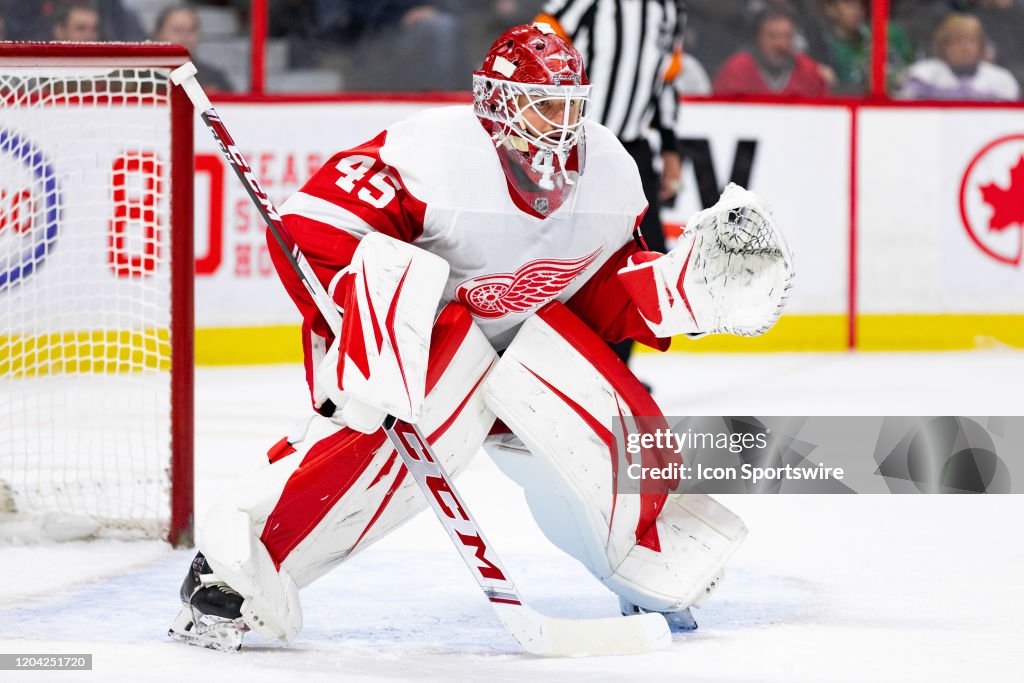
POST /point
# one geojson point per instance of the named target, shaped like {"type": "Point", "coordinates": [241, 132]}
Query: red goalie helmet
{"type": "Point", "coordinates": [532, 85]}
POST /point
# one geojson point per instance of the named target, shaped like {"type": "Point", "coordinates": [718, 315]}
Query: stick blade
{"type": "Point", "coordinates": [551, 637]}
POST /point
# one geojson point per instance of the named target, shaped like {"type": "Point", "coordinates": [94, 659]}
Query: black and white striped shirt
{"type": "Point", "coordinates": [630, 49]}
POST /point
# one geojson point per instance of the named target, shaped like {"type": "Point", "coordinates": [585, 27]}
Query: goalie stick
{"type": "Point", "coordinates": [536, 633]}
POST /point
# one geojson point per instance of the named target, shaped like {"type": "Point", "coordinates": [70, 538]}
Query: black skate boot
{"type": "Point", "coordinates": [211, 615]}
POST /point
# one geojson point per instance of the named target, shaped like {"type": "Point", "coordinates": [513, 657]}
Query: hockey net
{"type": "Point", "coordinates": [95, 293]}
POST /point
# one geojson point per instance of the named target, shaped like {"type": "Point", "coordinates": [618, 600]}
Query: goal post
{"type": "Point", "coordinates": [96, 290]}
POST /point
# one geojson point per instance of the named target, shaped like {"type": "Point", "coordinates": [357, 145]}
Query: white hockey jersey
{"type": "Point", "coordinates": [435, 180]}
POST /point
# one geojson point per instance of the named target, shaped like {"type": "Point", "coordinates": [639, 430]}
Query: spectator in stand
{"type": "Point", "coordinates": [957, 71]}
{"type": "Point", "coordinates": [76, 22]}
{"type": "Point", "coordinates": [847, 38]}
{"type": "Point", "coordinates": [712, 30]}
{"type": "Point", "coordinates": [180, 24]}
{"type": "Point", "coordinates": [1003, 23]}
{"type": "Point", "coordinates": [772, 65]}
{"type": "Point", "coordinates": [715, 27]}
{"type": "Point", "coordinates": [3, 28]}
{"type": "Point", "coordinates": [35, 20]}
{"type": "Point", "coordinates": [803, 12]}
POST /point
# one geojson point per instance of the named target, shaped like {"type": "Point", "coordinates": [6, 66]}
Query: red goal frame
{"type": "Point", "coordinates": [164, 56]}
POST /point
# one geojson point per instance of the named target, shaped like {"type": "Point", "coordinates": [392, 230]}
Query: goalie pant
{"type": "Point", "coordinates": [329, 491]}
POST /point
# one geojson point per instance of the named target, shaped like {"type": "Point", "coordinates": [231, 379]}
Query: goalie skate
{"type": "Point", "coordinates": [203, 630]}
{"type": "Point", "coordinates": [211, 614]}
{"type": "Point", "coordinates": [678, 622]}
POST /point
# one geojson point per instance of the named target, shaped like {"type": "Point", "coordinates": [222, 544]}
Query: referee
{"type": "Point", "coordinates": [632, 50]}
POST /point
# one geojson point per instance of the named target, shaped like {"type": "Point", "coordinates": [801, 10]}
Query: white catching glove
{"type": "Point", "coordinates": [730, 273]}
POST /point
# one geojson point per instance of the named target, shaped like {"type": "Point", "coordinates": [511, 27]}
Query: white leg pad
{"type": "Point", "coordinates": [558, 388]}
{"type": "Point", "coordinates": [697, 536]}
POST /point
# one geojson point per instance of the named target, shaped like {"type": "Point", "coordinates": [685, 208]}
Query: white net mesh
{"type": "Point", "coordinates": [85, 291]}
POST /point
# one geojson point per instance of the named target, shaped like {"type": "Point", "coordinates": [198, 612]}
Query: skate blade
{"type": "Point", "coordinates": [212, 633]}
{"type": "Point", "coordinates": [680, 622]}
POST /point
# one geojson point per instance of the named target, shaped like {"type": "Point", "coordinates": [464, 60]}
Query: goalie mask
{"type": "Point", "coordinates": [531, 95]}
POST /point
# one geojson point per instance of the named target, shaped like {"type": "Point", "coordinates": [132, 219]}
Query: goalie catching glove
{"type": "Point", "coordinates": [730, 273]}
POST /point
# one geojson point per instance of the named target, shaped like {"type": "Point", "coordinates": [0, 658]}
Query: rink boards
{"type": "Point", "coordinates": [906, 222]}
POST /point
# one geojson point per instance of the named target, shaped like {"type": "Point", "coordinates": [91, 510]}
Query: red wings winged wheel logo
{"type": "Point", "coordinates": [528, 288]}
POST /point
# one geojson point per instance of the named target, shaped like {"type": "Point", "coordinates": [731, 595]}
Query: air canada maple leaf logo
{"type": "Point", "coordinates": [529, 287]}
{"type": "Point", "coordinates": [1007, 203]}
{"type": "Point", "coordinates": [992, 199]}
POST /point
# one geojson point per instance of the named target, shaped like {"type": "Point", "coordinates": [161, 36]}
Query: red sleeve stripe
{"type": "Point", "coordinates": [323, 211]}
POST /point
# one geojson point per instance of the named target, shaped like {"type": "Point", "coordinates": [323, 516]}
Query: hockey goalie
{"type": "Point", "coordinates": [483, 257]}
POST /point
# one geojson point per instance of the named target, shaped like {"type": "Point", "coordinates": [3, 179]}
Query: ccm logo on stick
{"type": "Point", "coordinates": [447, 501]}
{"type": "Point", "coordinates": [416, 448]}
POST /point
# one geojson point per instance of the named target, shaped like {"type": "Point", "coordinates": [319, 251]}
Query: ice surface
{"type": "Point", "coordinates": [826, 588]}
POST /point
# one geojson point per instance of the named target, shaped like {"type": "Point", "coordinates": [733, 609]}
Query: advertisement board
{"type": "Point", "coordinates": [915, 241]}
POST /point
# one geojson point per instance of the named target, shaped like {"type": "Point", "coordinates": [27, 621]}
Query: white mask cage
{"type": "Point", "coordinates": [525, 106]}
